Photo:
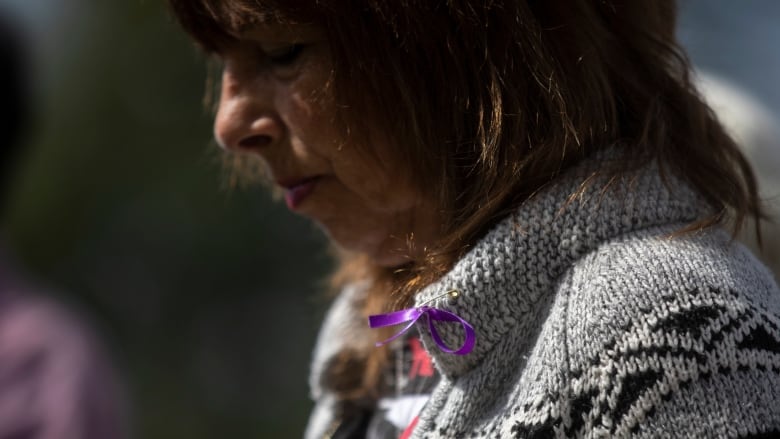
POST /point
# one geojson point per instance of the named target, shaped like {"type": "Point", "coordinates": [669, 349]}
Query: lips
{"type": "Point", "coordinates": [297, 190]}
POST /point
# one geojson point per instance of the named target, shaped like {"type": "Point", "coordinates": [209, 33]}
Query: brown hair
{"type": "Point", "coordinates": [489, 100]}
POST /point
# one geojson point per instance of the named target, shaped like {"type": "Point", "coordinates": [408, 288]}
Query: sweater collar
{"type": "Point", "coordinates": [504, 279]}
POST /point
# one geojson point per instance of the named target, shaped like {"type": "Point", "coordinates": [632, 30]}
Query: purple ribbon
{"type": "Point", "coordinates": [411, 315]}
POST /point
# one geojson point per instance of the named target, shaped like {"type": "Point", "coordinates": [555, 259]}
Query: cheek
{"type": "Point", "coordinates": [379, 187]}
{"type": "Point", "coordinates": [310, 118]}
{"type": "Point", "coordinates": [367, 195]}
{"type": "Point", "coordinates": [368, 171]}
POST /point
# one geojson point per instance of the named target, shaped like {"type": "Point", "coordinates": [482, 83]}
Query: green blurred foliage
{"type": "Point", "coordinates": [209, 298]}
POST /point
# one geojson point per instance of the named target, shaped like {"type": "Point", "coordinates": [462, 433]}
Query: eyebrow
{"type": "Point", "coordinates": [275, 30]}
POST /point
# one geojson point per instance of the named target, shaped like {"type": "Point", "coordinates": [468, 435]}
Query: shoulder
{"type": "Point", "coordinates": [657, 325]}
{"type": "Point", "coordinates": [651, 279]}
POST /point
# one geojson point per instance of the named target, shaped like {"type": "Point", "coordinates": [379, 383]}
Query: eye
{"type": "Point", "coordinates": [285, 55]}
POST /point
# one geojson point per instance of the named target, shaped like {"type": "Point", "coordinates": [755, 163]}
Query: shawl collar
{"type": "Point", "coordinates": [504, 279]}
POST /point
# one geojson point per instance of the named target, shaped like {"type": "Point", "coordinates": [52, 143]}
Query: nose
{"type": "Point", "coordinates": [246, 119]}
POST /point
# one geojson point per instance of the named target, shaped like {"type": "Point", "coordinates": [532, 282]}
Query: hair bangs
{"type": "Point", "coordinates": [215, 23]}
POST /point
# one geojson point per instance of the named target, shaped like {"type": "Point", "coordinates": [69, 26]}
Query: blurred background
{"type": "Point", "coordinates": [209, 297]}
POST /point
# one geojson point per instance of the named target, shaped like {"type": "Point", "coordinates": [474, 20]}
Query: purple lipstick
{"type": "Point", "coordinates": [296, 191]}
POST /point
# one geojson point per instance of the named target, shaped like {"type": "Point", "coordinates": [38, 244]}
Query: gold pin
{"type": "Point", "coordinates": [453, 293]}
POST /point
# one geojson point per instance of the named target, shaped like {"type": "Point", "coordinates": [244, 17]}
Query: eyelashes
{"type": "Point", "coordinates": [285, 56]}
{"type": "Point", "coordinates": [276, 57]}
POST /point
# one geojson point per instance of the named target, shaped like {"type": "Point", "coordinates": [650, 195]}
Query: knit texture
{"type": "Point", "coordinates": [592, 321]}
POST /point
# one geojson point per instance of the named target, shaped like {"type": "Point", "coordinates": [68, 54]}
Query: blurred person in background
{"type": "Point", "coordinates": [56, 381]}
{"type": "Point", "coordinates": [544, 177]}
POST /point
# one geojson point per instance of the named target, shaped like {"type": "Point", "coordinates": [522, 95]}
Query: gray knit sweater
{"type": "Point", "coordinates": [591, 321]}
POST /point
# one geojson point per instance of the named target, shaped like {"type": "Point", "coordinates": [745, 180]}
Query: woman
{"type": "Point", "coordinates": [542, 173]}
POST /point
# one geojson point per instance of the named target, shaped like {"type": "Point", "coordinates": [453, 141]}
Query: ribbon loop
{"type": "Point", "coordinates": [445, 316]}
{"type": "Point", "coordinates": [411, 315]}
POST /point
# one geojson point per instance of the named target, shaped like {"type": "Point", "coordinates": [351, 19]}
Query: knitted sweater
{"type": "Point", "coordinates": [591, 321]}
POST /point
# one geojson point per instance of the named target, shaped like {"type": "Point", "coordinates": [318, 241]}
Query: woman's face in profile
{"type": "Point", "coordinates": [276, 102]}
